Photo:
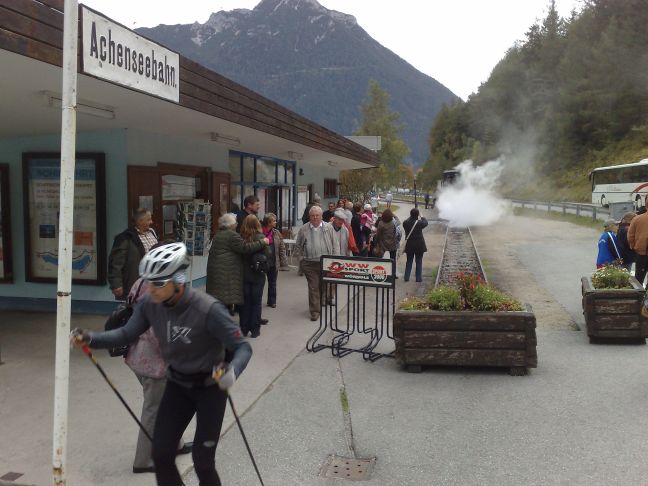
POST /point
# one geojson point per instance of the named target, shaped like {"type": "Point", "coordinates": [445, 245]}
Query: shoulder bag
{"type": "Point", "coordinates": [402, 249]}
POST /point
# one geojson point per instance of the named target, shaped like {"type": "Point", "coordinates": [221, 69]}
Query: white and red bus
{"type": "Point", "coordinates": [620, 183]}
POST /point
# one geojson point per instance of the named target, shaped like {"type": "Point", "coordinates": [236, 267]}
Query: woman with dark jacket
{"type": "Point", "coordinates": [627, 253]}
{"type": "Point", "coordinates": [225, 262]}
{"type": "Point", "coordinates": [386, 233]}
{"type": "Point", "coordinates": [414, 243]}
{"type": "Point", "coordinates": [278, 257]}
{"type": "Point", "coordinates": [255, 267]}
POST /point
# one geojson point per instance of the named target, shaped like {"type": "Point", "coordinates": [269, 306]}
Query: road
{"type": "Point", "coordinates": [577, 419]}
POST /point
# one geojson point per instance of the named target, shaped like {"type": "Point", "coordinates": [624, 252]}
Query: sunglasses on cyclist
{"type": "Point", "coordinates": [158, 284]}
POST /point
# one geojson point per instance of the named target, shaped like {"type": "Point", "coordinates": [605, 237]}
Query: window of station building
{"type": "Point", "coordinates": [235, 167]}
{"type": "Point", "coordinates": [330, 187]}
{"type": "Point", "coordinates": [271, 180]}
{"type": "Point", "coordinates": [266, 170]}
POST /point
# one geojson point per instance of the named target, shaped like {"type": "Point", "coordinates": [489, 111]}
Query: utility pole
{"type": "Point", "coordinates": [415, 201]}
{"type": "Point", "coordinates": [66, 213]}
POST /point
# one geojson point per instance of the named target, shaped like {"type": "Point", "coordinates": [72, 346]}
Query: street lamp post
{"type": "Point", "coordinates": [415, 201]}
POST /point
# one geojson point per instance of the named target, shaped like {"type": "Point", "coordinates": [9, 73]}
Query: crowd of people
{"type": "Point", "coordinates": [625, 243]}
{"type": "Point", "coordinates": [177, 337]}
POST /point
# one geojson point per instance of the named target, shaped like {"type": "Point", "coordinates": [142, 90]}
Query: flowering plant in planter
{"type": "Point", "coordinates": [611, 277]}
{"type": "Point", "coordinates": [467, 292]}
{"type": "Point", "coordinates": [465, 323]}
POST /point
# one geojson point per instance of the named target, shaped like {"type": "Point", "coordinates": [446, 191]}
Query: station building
{"type": "Point", "coordinates": [153, 129]}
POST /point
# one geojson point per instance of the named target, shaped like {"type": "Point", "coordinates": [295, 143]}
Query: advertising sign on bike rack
{"type": "Point", "coordinates": [368, 272]}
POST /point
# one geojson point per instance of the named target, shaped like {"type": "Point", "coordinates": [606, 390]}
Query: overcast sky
{"type": "Point", "coordinates": [457, 42]}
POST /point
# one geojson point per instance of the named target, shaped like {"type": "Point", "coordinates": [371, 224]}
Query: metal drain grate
{"type": "Point", "coordinates": [11, 476]}
{"type": "Point", "coordinates": [348, 468]}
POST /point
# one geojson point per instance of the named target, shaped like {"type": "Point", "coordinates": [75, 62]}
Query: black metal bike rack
{"type": "Point", "coordinates": [377, 289]}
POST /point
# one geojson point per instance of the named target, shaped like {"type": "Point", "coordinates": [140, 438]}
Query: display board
{"type": "Point", "coordinates": [370, 272]}
{"type": "Point", "coordinates": [41, 184]}
{"type": "Point", "coordinates": [6, 267]}
{"type": "Point", "coordinates": [194, 226]}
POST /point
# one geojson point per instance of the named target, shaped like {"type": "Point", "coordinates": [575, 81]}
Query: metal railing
{"type": "Point", "coordinates": [579, 209]}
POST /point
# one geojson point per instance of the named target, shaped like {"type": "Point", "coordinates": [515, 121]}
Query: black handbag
{"type": "Point", "coordinates": [118, 318]}
{"type": "Point", "coordinates": [259, 262]}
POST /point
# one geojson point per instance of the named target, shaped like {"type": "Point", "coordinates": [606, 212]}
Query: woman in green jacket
{"type": "Point", "coordinates": [225, 262]}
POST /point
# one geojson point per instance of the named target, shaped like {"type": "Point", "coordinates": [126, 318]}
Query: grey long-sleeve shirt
{"type": "Point", "coordinates": [193, 333]}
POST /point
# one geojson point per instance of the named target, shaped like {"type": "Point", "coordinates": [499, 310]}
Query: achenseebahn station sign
{"type": "Point", "coordinates": [369, 272]}
{"type": "Point", "coordinates": [116, 54]}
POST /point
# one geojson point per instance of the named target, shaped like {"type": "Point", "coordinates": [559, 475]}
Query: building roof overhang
{"type": "Point", "coordinates": [31, 58]}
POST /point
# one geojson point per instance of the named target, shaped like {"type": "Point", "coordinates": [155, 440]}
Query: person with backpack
{"type": "Point", "coordinates": [255, 268]}
{"type": "Point", "coordinates": [385, 237]}
{"type": "Point", "coordinates": [414, 244]}
{"type": "Point", "coordinates": [193, 330]}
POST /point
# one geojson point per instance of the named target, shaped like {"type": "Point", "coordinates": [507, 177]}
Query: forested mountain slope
{"type": "Point", "coordinates": [571, 96]}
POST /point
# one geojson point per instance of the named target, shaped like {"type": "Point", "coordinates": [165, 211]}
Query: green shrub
{"type": "Point", "coordinates": [414, 303]}
{"type": "Point", "coordinates": [466, 292]}
{"type": "Point", "coordinates": [445, 298]}
{"type": "Point", "coordinates": [611, 277]}
{"type": "Point", "coordinates": [486, 298]}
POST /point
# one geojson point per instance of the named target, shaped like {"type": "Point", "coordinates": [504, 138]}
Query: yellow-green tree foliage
{"type": "Point", "coordinates": [378, 119]}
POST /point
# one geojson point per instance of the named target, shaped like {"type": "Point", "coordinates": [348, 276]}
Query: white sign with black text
{"type": "Point", "coordinates": [116, 54]}
{"type": "Point", "coordinates": [370, 272]}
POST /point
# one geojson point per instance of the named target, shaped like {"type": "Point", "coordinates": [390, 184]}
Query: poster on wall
{"type": "Point", "coordinates": [6, 273]}
{"type": "Point", "coordinates": [41, 181]}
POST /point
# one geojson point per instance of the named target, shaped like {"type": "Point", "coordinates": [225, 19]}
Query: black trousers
{"type": "Point", "coordinates": [176, 410]}
{"type": "Point", "coordinates": [641, 267]}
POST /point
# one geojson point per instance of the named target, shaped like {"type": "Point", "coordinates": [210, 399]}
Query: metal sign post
{"type": "Point", "coordinates": [64, 286]}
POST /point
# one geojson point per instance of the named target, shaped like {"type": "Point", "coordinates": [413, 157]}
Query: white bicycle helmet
{"type": "Point", "coordinates": [164, 262]}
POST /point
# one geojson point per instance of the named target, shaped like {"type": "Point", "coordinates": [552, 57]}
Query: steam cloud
{"type": "Point", "coordinates": [472, 199]}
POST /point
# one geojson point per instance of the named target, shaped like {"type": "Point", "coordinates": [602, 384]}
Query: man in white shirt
{"type": "Point", "coordinates": [340, 234]}
{"type": "Point", "coordinates": [388, 199]}
{"type": "Point", "coordinates": [314, 239]}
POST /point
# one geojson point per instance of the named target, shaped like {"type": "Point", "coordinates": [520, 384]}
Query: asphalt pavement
{"type": "Point", "coordinates": [579, 418]}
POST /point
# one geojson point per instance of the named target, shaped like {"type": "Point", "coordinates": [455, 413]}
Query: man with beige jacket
{"type": "Point", "coordinates": [638, 240]}
{"type": "Point", "coordinates": [314, 239]}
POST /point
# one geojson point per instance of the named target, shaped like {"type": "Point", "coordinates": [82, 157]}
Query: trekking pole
{"type": "Point", "coordinates": [88, 353]}
{"type": "Point", "coordinates": [238, 422]}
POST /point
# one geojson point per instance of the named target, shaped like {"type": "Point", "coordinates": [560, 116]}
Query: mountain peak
{"type": "Point", "coordinates": [270, 7]}
{"type": "Point", "coordinates": [315, 61]}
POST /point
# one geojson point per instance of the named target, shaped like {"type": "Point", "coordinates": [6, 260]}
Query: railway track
{"type": "Point", "coordinates": [459, 255]}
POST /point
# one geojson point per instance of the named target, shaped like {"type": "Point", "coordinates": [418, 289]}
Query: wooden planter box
{"type": "Point", "coordinates": [465, 338]}
{"type": "Point", "coordinates": [614, 315]}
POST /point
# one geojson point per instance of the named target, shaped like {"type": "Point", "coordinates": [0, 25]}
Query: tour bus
{"type": "Point", "coordinates": [620, 183]}
{"type": "Point", "coordinates": [449, 177]}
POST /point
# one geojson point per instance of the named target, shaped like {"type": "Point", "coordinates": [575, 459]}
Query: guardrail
{"type": "Point", "coordinates": [597, 212]}
{"type": "Point", "coordinates": [564, 207]}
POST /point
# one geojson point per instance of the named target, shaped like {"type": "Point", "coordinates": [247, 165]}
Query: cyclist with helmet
{"type": "Point", "coordinates": [193, 329]}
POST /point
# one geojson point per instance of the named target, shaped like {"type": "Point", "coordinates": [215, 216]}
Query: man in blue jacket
{"type": "Point", "coordinates": [608, 246]}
